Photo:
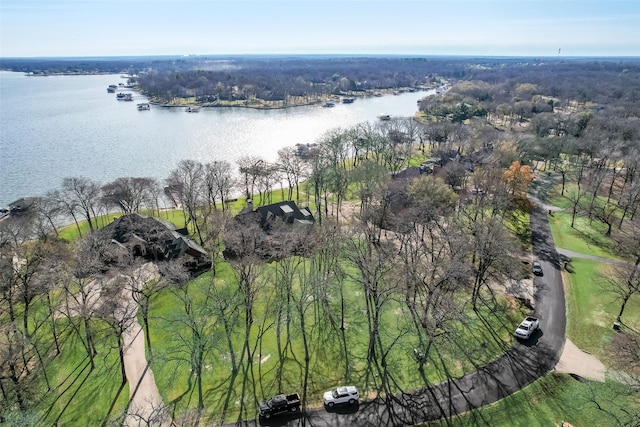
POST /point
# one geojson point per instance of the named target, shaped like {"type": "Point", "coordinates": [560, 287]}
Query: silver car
{"type": "Point", "coordinates": [537, 268]}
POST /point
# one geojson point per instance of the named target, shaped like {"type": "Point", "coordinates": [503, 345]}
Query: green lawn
{"type": "Point", "coordinates": [546, 402]}
{"type": "Point", "coordinates": [551, 400]}
{"type": "Point", "coordinates": [80, 396]}
{"type": "Point", "coordinates": [558, 397]}
{"type": "Point", "coordinates": [591, 310]}
{"type": "Point", "coordinates": [268, 373]}
{"type": "Point", "coordinates": [585, 238]}
{"type": "Point", "coordinates": [590, 314]}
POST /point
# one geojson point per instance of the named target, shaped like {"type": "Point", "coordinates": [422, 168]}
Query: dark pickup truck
{"type": "Point", "coordinates": [280, 404]}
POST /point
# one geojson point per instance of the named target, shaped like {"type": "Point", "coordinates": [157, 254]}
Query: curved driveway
{"type": "Point", "coordinates": [518, 367]}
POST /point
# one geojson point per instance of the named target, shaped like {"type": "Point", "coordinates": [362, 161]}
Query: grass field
{"type": "Point", "coordinates": [585, 238]}
{"type": "Point", "coordinates": [268, 372]}
{"type": "Point", "coordinates": [79, 395]}
{"type": "Point", "coordinates": [592, 309]}
{"type": "Point", "coordinates": [590, 314]}
{"type": "Point", "coordinates": [550, 401]}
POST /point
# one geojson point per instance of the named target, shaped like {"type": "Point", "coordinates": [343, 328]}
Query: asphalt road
{"type": "Point", "coordinates": [516, 368]}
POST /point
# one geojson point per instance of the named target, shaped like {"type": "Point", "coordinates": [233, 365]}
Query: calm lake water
{"type": "Point", "coordinates": [64, 126]}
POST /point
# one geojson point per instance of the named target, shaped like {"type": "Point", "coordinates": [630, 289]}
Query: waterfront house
{"type": "Point", "coordinates": [157, 241]}
{"type": "Point", "coordinates": [270, 232]}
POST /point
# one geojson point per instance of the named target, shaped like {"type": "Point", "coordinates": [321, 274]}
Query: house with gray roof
{"type": "Point", "coordinates": [157, 240]}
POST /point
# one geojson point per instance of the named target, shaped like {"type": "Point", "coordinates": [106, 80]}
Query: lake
{"type": "Point", "coordinates": [63, 126]}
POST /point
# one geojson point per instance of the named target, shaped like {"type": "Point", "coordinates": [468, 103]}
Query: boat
{"type": "Point", "coordinates": [112, 88]}
{"type": "Point", "coordinates": [144, 106]}
{"type": "Point", "coordinates": [128, 97]}
{"type": "Point", "coordinates": [384, 117]}
{"type": "Point", "coordinates": [193, 109]}
{"type": "Point", "coordinates": [121, 96]}
{"type": "Point", "coordinates": [348, 100]}
{"type": "Point", "coordinates": [329, 104]}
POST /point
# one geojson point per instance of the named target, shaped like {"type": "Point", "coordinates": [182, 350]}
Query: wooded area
{"type": "Point", "coordinates": [412, 273]}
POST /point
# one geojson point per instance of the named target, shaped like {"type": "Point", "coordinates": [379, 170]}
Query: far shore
{"type": "Point", "coordinates": [292, 102]}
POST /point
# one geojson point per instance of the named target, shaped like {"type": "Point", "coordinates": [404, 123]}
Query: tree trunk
{"type": "Point", "coordinates": [91, 349]}
{"type": "Point", "coordinates": [123, 372]}
{"type": "Point", "coordinates": [53, 324]}
{"type": "Point", "coordinates": [624, 303]}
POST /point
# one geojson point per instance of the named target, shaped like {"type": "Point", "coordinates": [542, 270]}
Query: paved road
{"type": "Point", "coordinates": [518, 367]}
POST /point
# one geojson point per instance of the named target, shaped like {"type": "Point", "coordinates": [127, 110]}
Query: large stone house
{"type": "Point", "coordinates": [157, 240]}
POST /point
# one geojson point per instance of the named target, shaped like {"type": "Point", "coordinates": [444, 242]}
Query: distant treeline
{"type": "Point", "coordinates": [232, 78]}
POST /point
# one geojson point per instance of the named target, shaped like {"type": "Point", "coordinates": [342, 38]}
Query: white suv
{"type": "Point", "coordinates": [344, 394]}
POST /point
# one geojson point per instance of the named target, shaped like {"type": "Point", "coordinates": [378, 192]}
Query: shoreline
{"type": "Point", "coordinates": [259, 104]}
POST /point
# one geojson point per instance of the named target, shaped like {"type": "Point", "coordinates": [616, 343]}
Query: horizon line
{"type": "Point", "coordinates": [404, 55]}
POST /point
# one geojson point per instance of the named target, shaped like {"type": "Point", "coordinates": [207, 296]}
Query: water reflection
{"type": "Point", "coordinates": [56, 127]}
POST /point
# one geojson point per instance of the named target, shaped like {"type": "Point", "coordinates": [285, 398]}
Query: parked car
{"type": "Point", "coordinates": [527, 327]}
{"type": "Point", "coordinates": [537, 268]}
{"type": "Point", "coordinates": [280, 404]}
{"type": "Point", "coordinates": [343, 394]}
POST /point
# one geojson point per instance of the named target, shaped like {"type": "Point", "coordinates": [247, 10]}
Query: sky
{"type": "Point", "coordinates": [55, 28]}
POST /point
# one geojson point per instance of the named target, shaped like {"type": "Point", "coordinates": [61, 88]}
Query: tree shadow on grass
{"type": "Point", "coordinates": [68, 387]}
{"type": "Point", "coordinates": [74, 394]}
{"type": "Point", "coordinates": [594, 239]}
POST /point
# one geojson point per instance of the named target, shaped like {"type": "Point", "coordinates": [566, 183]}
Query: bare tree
{"type": "Point", "coordinates": [92, 257]}
{"type": "Point", "coordinates": [318, 183]}
{"type": "Point", "coordinates": [373, 261]}
{"type": "Point", "coordinates": [195, 336]}
{"type": "Point", "coordinates": [226, 304]}
{"type": "Point", "coordinates": [119, 312]}
{"type": "Point", "coordinates": [81, 196]}
{"type": "Point", "coordinates": [576, 195]}
{"type": "Point", "coordinates": [251, 168]}
{"type": "Point", "coordinates": [129, 194]}
{"type": "Point", "coordinates": [218, 182]}
{"type": "Point", "coordinates": [187, 180]}
{"type": "Point", "coordinates": [624, 283]}
{"type": "Point", "coordinates": [492, 248]}
{"type": "Point", "coordinates": [14, 368]}
{"type": "Point", "coordinates": [630, 200]}
{"type": "Point", "coordinates": [65, 206]}
{"type": "Point", "coordinates": [47, 216]}
{"type": "Point", "coordinates": [294, 169]}
{"type": "Point", "coordinates": [372, 180]}
{"type": "Point", "coordinates": [624, 279]}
